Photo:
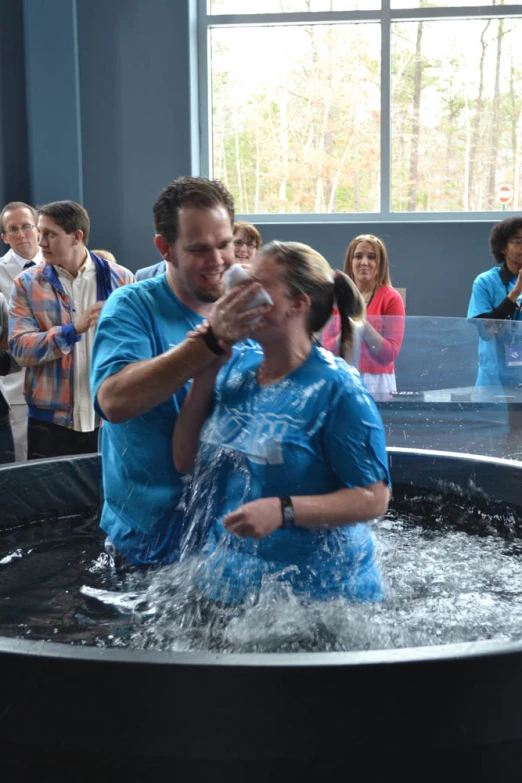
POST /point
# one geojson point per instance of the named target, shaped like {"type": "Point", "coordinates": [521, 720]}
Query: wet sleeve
{"type": "Point", "coordinates": [354, 440]}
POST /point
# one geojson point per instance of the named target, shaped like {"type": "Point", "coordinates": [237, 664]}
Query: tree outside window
{"type": "Point", "coordinates": [306, 110]}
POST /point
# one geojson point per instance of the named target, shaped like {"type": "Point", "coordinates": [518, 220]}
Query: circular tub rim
{"type": "Point", "coordinates": [384, 657]}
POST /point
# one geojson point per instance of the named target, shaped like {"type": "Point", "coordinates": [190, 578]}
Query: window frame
{"type": "Point", "coordinates": [386, 17]}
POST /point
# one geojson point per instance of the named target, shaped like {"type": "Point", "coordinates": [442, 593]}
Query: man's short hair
{"type": "Point", "coordinates": [500, 235]}
{"type": "Point", "coordinates": [68, 215]}
{"type": "Point", "coordinates": [198, 192]}
{"type": "Point", "coordinates": [15, 205]}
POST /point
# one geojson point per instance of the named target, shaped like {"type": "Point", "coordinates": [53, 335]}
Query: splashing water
{"type": "Point", "coordinates": [452, 572]}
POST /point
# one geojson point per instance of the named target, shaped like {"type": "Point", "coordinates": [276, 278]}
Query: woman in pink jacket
{"type": "Point", "coordinates": [366, 263]}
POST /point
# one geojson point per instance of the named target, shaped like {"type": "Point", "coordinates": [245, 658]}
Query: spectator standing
{"type": "Point", "coordinates": [366, 263]}
{"type": "Point", "coordinates": [151, 271]}
{"type": "Point", "coordinates": [18, 225]}
{"type": "Point", "coordinates": [247, 241]}
{"type": "Point", "coordinates": [7, 365]}
{"type": "Point", "coordinates": [54, 309]}
{"type": "Point", "coordinates": [496, 301]}
{"type": "Point", "coordinates": [106, 254]}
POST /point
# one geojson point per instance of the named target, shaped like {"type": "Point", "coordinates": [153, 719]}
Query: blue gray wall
{"type": "Point", "coordinates": [95, 105]}
{"type": "Point", "coordinates": [14, 161]}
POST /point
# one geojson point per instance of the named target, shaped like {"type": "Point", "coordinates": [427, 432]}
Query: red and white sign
{"type": "Point", "coordinates": [505, 194]}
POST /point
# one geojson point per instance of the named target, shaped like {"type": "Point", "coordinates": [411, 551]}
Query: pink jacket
{"type": "Point", "coordinates": [386, 302]}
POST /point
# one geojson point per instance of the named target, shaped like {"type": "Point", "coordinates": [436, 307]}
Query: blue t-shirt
{"type": "Point", "coordinates": [489, 290]}
{"type": "Point", "coordinates": [141, 485]}
{"type": "Point", "coordinates": [314, 432]}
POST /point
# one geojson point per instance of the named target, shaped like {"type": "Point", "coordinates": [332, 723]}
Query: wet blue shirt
{"type": "Point", "coordinates": [140, 483]}
{"type": "Point", "coordinates": [314, 432]}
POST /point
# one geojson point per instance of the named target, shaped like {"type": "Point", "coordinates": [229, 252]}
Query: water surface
{"type": "Point", "coordinates": [452, 572]}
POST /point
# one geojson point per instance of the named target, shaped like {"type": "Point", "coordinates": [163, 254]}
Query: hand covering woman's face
{"type": "Point", "coordinates": [267, 271]}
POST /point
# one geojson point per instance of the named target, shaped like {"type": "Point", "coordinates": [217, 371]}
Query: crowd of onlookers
{"type": "Point", "coordinates": [54, 288]}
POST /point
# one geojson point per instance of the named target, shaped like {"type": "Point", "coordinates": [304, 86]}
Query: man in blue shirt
{"type": "Point", "coordinates": [143, 359]}
{"type": "Point", "coordinates": [151, 271]}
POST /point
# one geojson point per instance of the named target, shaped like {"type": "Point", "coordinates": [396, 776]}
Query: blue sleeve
{"type": "Point", "coordinates": [70, 334]}
{"type": "Point", "coordinates": [482, 297]}
{"type": "Point", "coordinates": [354, 440]}
{"type": "Point", "coordinates": [122, 337]}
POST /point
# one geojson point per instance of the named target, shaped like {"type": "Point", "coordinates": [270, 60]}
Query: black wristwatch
{"type": "Point", "coordinates": [211, 341]}
{"type": "Point", "coordinates": [287, 510]}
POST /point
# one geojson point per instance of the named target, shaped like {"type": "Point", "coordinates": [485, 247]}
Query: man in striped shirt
{"type": "Point", "coordinates": [54, 310]}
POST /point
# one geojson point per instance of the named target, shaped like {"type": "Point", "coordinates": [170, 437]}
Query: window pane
{"type": "Point", "coordinates": [289, 6]}
{"type": "Point", "coordinates": [448, 3]}
{"type": "Point", "coordinates": [296, 114]}
{"type": "Point", "coordinates": [456, 114]}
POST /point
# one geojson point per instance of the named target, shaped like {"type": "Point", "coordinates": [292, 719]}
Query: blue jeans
{"type": "Point", "coordinates": [7, 452]}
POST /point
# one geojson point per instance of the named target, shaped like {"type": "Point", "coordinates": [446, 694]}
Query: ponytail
{"type": "Point", "coordinates": [352, 312]}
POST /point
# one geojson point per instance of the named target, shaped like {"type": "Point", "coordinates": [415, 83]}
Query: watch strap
{"type": "Point", "coordinates": [211, 341]}
{"type": "Point", "coordinates": [287, 511]}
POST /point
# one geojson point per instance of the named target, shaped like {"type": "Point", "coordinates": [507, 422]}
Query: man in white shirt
{"type": "Point", "coordinates": [54, 309]}
{"type": "Point", "coordinates": [18, 227]}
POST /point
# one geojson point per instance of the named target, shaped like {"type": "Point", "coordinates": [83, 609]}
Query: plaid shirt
{"type": "Point", "coordinates": [42, 335]}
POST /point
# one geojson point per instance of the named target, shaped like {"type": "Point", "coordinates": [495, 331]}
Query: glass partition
{"type": "Point", "coordinates": [459, 385]}
{"type": "Point", "coordinates": [456, 384]}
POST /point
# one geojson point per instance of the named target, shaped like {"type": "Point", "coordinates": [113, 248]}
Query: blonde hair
{"type": "Point", "coordinates": [383, 267]}
{"type": "Point", "coordinates": [106, 254]}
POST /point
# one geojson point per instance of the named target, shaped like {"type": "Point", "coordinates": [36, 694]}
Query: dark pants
{"type": "Point", "coordinates": [45, 439]}
{"type": "Point", "coordinates": [7, 452]}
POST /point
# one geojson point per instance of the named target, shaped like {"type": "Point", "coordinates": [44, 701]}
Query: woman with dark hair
{"type": "Point", "coordinates": [497, 297]}
{"type": "Point", "coordinates": [292, 455]}
{"type": "Point", "coordinates": [366, 263]}
{"type": "Point", "coordinates": [247, 241]}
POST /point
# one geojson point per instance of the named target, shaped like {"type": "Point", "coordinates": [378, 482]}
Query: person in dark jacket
{"type": "Point", "coordinates": [7, 366]}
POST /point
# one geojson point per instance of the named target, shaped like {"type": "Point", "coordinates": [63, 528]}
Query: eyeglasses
{"type": "Point", "coordinates": [26, 228]}
{"type": "Point", "coordinates": [515, 241]}
{"type": "Point", "coordinates": [241, 242]}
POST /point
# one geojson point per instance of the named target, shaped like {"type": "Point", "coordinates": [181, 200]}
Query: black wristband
{"type": "Point", "coordinates": [211, 341]}
{"type": "Point", "coordinates": [287, 510]}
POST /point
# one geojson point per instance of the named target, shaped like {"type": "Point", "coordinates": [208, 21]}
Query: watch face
{"type": "Point", "coordinates": [288, 513]}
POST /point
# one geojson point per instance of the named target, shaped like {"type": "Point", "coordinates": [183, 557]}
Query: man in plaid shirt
{"type": "Point", "coordinates": [54, 310]}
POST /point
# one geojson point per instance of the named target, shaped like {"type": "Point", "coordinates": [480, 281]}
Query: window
{"type": "Point", "coordinates": [349, 107]}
